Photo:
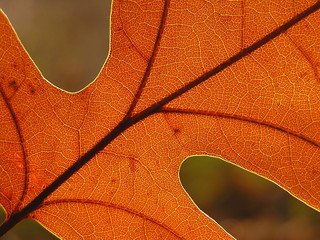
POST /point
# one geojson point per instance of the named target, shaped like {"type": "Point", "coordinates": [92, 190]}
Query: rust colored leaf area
{"type": "Point", "coordinates": [233, 79]}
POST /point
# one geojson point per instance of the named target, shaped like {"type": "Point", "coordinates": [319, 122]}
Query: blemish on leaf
{"type": "Point", "coordinates": [176, 130]}
{"type": "Point", "coordinates": [17, 160]}
{"type": "Point", "coordinates": [32, 90]}
{"type": "Point", "coordinates": [34, 182]}
{"type": "Point", "coordinates": [113, 180]}
{"type": "Point", "coordinates": [117, 29]}
{"type": "Point", "coordinates": [132, 164]}
{"type": "Point", "coordinates": [13, 84]}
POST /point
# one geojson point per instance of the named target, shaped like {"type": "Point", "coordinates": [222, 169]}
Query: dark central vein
{"type": "Point", "coordinates": [129, 121]}
{"type": "Point", "coordinates": [245, 52]}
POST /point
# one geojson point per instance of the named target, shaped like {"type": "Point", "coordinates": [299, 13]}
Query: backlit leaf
{"type": "Point", "coordinates": [233, 79]}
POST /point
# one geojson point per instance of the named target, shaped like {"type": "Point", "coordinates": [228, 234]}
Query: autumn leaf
{"type": "Point", "coordinates": [237, 80]}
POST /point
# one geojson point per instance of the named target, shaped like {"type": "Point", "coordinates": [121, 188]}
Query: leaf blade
{"type": "Point", "coordinates": [146, 115]}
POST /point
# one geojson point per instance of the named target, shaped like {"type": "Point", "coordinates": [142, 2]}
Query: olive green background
{"type": "Point", "coordinates": [68, 40]}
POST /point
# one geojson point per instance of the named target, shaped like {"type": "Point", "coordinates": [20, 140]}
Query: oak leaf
{"type": "Point", "coordinates": [233, 79]}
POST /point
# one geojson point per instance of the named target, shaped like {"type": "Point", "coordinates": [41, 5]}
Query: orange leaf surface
{"type": "Point", "coordinates": [234, 79]}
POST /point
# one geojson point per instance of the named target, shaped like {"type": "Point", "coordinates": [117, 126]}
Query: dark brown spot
{"type": "Point", "coordinates": [113, 180]}
{"type": "Point", "coordinates": [13, 84]}
{"type": "Point", "coordinates": [32, 90]}
{"type": "Point", "coordinates": [118, 29]}
{"type": "Point", "coordinates": [176, 130]}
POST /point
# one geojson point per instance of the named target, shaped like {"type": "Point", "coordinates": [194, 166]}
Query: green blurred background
{"type": "Point", "coordinates": [68, 40]}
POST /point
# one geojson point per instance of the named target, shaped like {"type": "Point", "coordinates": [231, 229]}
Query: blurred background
{"type": "Point", "coordinates": [68, 41]}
